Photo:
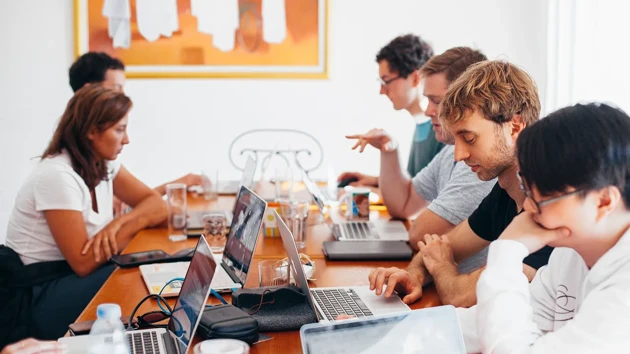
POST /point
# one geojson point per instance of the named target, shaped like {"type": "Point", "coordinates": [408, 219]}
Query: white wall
{"type": "Point", "coordinates": [179, 126]}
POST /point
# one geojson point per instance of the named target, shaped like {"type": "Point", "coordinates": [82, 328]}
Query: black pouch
{"type": "Point", "coordinates": [227, 321]}
{"type": "Point", "coordinates": [276, 308]}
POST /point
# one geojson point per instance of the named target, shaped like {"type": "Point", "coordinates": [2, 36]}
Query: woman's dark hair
{"type": "Point", "coordinates": [92, 108]}
{"type": "Point", "coordinates": [584, 146]}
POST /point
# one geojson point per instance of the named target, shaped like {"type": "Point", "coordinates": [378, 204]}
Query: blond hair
{"type": "Point", "coordinates": [452, 63]}
{"type": "Point", "coordinates": [496, 89]}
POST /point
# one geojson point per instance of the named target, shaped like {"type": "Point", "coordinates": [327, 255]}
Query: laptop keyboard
{"type": "Point", "coordinates": [335, 302]}
{"type": "Point", "coordinates": [359, 231]}
{"type": "Point", "coordinates": [145, 342]}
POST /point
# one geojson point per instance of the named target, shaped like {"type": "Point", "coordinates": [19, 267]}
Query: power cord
{"type": "Point", "coordinates": [212, 291]}
{"type": "Point", "coordinates": [160, 294]}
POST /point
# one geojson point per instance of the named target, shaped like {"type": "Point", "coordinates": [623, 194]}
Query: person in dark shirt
{"type": "Point", "coordinates": [485, 109]}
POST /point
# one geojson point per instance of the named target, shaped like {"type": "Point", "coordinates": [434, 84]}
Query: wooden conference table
{"type": "Point", "coordinates": [126, 288]}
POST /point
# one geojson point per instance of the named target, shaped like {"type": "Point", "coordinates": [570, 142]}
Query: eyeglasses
{"type": "Point", "coordinates": [539, 205]}
{"type": "Point", "coordinates": [389, 81]}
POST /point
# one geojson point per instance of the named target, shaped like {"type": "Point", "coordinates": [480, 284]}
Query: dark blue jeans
{"type": "Point", "coordinates": [59, 303]}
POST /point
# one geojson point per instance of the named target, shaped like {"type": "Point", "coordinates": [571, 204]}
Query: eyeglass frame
{"type": "Point", "coordinates": [542, 203]}
{"type": "Point", "coordinates": [386, 83]}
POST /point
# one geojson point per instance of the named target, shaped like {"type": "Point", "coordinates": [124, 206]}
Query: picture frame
{"type": "Point", "coordinates": [282, 39]}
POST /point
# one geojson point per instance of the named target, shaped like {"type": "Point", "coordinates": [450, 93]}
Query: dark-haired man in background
{"type": "Point", "coordinates": [399, 64]}
{"type": "Point", "coordinates": [102, 69]}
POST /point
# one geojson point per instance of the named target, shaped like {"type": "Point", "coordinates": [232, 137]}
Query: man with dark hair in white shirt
{"type": "Point", "coordinates": [574, 170]}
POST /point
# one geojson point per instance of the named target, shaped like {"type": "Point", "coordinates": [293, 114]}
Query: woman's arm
{"type": "Point", "coordinates": [148, 210]}
{"type": "Point", "coordinates": [148, 207]}
{"type": "Point", "coordinates": [70, 233]}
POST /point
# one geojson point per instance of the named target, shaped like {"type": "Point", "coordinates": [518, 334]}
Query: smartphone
{"type": "Point", "coordinates": [139, 258]}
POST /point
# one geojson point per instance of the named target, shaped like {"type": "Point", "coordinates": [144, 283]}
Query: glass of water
{"type": "Point", "coordinates": [295, 214]}
{"type": "Point", "coordinates": [176, 208]}
{"type": "Point", "coordinates": [215, 230]}
{"type": "Point", "coordinates": [210, 189]}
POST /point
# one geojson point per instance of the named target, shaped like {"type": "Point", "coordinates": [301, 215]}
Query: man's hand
{"type": "Point", "coordinates": [190, 179]}
{"type": "Point", "coordinates": [398, 280]}
{"type": "Point", "coordinates": [527, 231]}
{"type": "Point", "coordinates": [104, 240]}
{"type": "Point", "coordinates": [361, 179]}
{"type": "Point", "coordinates": [378, 138]}
{"type": "Point", "coordinates": [436, 252]}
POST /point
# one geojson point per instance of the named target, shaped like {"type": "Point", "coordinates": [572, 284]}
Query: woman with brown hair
{"type": "Point", "coordinates": [63, 212]}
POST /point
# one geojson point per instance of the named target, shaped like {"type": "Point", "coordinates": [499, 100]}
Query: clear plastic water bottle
{"type": "Point", "coordinates": [108, 331]}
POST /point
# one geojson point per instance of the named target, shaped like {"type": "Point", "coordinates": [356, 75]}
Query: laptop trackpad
{"type": "Point", "coordinates": [381, 304]}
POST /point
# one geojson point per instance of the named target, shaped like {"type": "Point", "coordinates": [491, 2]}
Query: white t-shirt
{"type": "Point", "coordinates": [54, 185]}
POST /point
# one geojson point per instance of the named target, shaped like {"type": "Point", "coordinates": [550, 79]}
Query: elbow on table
{"type": "Point", "coordinates": [463, 299]}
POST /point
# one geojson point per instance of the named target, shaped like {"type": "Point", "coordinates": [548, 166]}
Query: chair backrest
{"type": "Point", "coordinates": [289, 147]}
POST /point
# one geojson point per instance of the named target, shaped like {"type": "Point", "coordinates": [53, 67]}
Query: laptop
{"type": "Point", "coordinates": [177, 336]}
{"type": "Point", "coordinates": [430, 330]}
{"type": "Point", "coordinates": [232, 187]}
{"type": "Point", "coordinates": [355, 230]}
{"type": "Point", "coordinates": [229, 187]}
{"type": "Point", "coordinates": [237, 256]}
{"type": "Point", "coordinates": [328, 303]}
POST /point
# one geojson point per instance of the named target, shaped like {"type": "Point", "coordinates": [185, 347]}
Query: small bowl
{"type": "Point", "coordinates": [221, 346]}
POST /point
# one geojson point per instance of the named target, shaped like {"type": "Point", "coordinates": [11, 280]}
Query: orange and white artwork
{"type": "Point", "coordinates": [207, 38]}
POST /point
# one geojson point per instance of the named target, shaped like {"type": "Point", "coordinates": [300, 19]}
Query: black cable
{"type": "Point", "coordinates": [133, 313]}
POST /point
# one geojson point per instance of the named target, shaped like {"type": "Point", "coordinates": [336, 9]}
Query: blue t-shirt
{"type": "Point", "coordinates": [423, 148]}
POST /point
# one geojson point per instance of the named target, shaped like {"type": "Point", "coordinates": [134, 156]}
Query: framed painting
{"type": "Point", "coordinates": [207, 38]}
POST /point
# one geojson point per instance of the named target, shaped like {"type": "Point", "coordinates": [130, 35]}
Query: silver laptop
{"type": "Point", "coordinates": [355, 230]}
{"type": "Point", "coordinates": [232, 187]}
{"type": "Point", "coordinates": [237, 256]}
{"type": "Point", "coordinates": [227, 187]}
{"type": "Point", "coordinates": [328, 303]}
{"type": "Point", "coordinates": [177, 337]}
{"type": "Point", "coordinates": [431, 330]}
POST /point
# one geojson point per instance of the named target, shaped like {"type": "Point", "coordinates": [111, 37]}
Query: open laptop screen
{"type": "Point", "coordinates": [248, 173]}
{"type": "Point", "coordinates": [241, 240]}
{"type": "Point", "coordinates": [193, 296]}
{"type": "Point", "coordinates": [327, 213]}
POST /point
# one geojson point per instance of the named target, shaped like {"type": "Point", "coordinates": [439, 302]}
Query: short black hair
{"type": "Point", "coordinates": [405, 54]}
{"type": "Point", "coordinates": [586, 147]}
{"type": "Point", "coordinates": [91, 67]}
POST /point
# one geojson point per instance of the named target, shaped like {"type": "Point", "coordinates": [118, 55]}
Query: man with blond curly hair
{"type": "Point", "coordinates": [485, 109]}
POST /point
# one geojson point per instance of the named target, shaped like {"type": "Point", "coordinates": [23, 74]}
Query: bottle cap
{"type": "Point", "coordinates": [108, 311]}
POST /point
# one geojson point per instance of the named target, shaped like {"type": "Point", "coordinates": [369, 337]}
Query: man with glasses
{"type": "Point", "coordinates": [574, 167]}
{"type": "Point", "coordinates": [399, 63]}
{"type": "Point", "coordinates": [436, 193]}
{"type": "Point", "coordinates": [536, 206]}
{"type": "Point", "coordinates": [485, 109]}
